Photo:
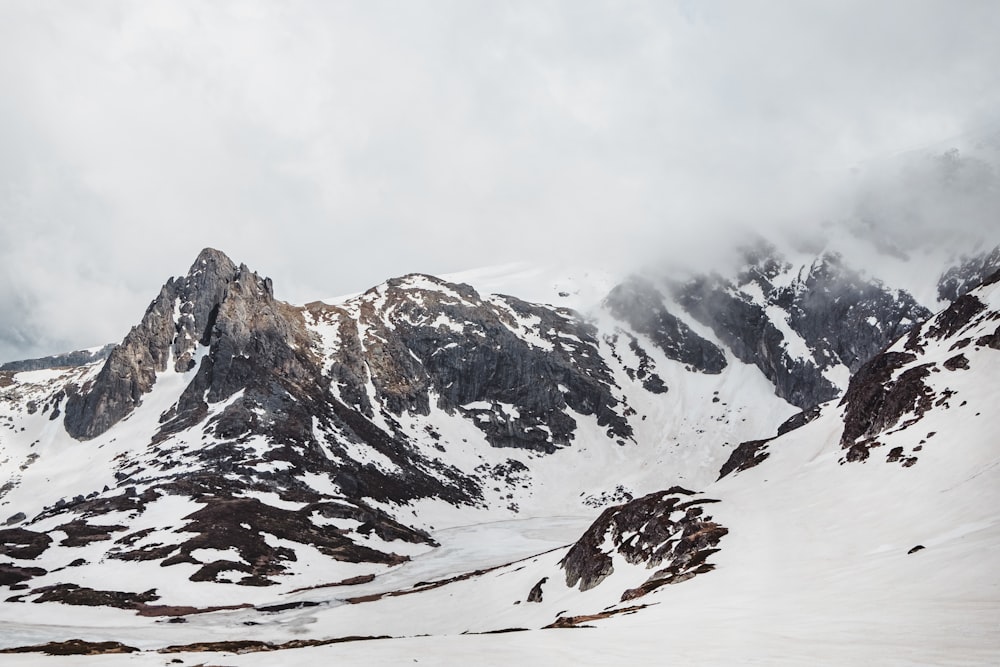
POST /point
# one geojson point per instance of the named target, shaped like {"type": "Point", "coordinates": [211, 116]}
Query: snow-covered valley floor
{"type": "Point", "coordinates": [808, 574]}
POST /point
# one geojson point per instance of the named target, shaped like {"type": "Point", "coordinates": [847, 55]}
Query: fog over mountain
{"type": "Point", "coordinates": [335, 145]}
{"type": "Point", "coordinates": [375, 333]}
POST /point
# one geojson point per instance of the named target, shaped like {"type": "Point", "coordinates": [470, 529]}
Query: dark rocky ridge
{"type": "Point", "coordinates": [745, 327]}
{"type": "Point", "coordinates": [966, 276]}
{"type": "Point", "coordinates": [846, 318]}
{"type": "Point", "coordinates": [842, 318]}
{"type": "Point", "coordinates": [522, 373]}
{"type": "Point", "coordinates": [746, 455]}
{"type": "Point", "coordinates": [425, 339]}
{"type": "Point", "coordinates": [69, 359]}
{"type": "Point", "coordinates": [890, 390]}
{"type": "Point", "coordinates": [638, 303]}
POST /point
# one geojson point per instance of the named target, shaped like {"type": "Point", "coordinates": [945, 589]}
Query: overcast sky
{"type": "Point", "coordinates": [331, 145]}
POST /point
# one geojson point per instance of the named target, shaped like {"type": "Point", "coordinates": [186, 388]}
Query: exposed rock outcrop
{"type": "Point", "coordinates": [668, 530]}
{"type": "Point", "coordinates": [840, 318]}
{"type": "Point", "coordinates": [746, 455]}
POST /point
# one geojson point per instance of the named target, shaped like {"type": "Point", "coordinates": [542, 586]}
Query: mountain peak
{"type": "Point", "coordinates": [210, 255]}
{"type": "Point", "coordinates": [179, 320]}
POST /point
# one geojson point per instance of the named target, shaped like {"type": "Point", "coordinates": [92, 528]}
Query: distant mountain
{"type": "Point", "coordinates": [78, 358]}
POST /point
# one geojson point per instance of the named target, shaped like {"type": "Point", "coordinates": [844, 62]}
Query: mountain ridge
{"type": "Point", "coordinates": [234, 441]}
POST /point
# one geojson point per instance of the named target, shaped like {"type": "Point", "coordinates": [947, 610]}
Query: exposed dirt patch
{"type": "Point", "coordinates": [429, 585]}
{"type": "Point", "coordinates": [80, 534]}
{"type": "Point", "coordinates": [578, 621]}
{"type": "Point", "coordinates": [352, 581]}
{"type": "Point", "coordinates": [242, 524]}
{"type": "Point", "coordinates": [11, 574]}
{"type": "Point", "coordinates": [991, 341]}
{"type": "Point", "coordinates": [74, 647]}
{"type": "Point", "coordinates": [154, 610]}
{"type": "Point", "coordinates": [250, 646]}
{"type": "Point", "coordinates": [81, 596]}
{"type": "Point", "coordinates": [23, 543]}
{"type": "Point", "coordinates": [275, 608]}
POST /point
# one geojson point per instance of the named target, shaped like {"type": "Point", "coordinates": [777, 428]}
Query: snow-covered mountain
{"type": "Point", "coordinates": [428, 458]}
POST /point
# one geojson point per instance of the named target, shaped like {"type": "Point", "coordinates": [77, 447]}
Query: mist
{"type": "Point", "coordinates": [333, 145]}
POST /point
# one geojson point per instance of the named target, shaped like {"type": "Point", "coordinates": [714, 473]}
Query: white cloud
{"type": "Point", "coordinates": [331, 145]}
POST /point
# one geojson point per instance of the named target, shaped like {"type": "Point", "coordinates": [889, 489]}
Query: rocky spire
{"type": "Point", "coordinates": [177, 320]}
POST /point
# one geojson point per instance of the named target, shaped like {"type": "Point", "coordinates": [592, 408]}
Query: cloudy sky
{"type": "Point", "coordinates": [330, 145]}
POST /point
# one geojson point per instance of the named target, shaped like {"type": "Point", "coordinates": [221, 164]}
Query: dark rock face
{"type": "Point", "coordinates": [745, 456]}
{"type": "Point", "coordinates": [954, 318]}
{"type": "Point", "coordinates": [754, 452]}
{"type": "Point", "coordinates": [131, 368]}
{"type": "Point", "coordinates": [668, 527]}
{"type": "Point", "coordinates": [969, 274]}
{"type": "Point", "coordinates": [958, 362]}
{"type": "Point", "coordinates": [425, 338]}
{"type": "Point", "coordinates": [875, 401]}
{"type": "Point", "coordinates": [841, 317]}
{"type": "Point", "coordinates": [645, 370]}
{"type": "Point", "coordinates": [798, 420]}
{"type": "Point", "coordinates": [751, 335]}
{"type": "Point", "coordinates": [891, 391]}
{"type": "Point", "coordinates": [638, 303]}
{"type": "Point", "coordinates": [535, 595]}
{"type": "Point", "coordinates": [846, 318]}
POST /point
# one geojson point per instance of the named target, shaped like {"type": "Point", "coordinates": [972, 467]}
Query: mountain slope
{"type": "Point", "coordinates": [236, 450]}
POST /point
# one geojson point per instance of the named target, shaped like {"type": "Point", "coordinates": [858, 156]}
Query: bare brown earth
{"type": "Point", "coordinates": [73, 647]}
{"type": "Point", "coordinates": [578, 621]}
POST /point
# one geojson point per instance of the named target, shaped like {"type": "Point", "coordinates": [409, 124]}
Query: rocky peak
{"type": "Point", "coordinates": [514, 367]}
{"type": "Point", "coordinates": [796, 327]}
{"type": "Point", "coordinates": [181, 318]}
{"type": "Point", "coordinates": [198, 296]}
